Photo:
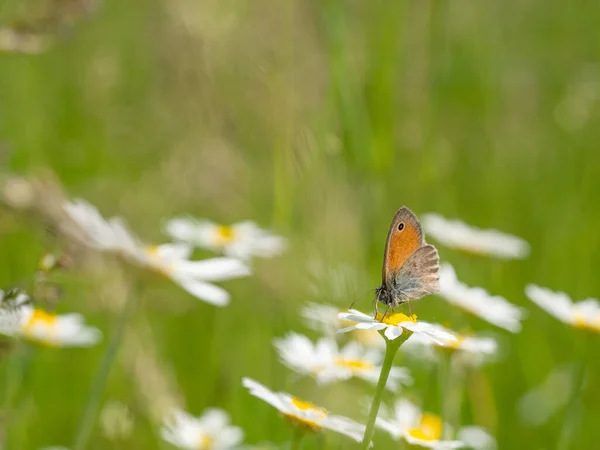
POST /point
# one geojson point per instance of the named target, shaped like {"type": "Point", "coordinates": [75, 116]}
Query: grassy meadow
{"type": "Point", "coordinates": [316, 119]}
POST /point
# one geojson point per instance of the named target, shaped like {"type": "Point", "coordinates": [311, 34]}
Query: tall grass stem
{"type": "Point", "coordinates": [573, 411]}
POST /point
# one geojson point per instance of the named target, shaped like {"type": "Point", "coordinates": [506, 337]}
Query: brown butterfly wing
{"type": "Point", "coordinates": [418, 276]}
{"type": "Point", "coordinates": [400, 245]}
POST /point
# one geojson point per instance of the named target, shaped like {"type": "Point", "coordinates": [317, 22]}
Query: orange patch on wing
{"type": "Point", "coordinates": [400, 245]}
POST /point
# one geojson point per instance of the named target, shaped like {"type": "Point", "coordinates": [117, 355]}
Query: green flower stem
{"type": "Point", "coordinates": [445, 383]}
{"type": "Point", "coordinates": [391, 348]}
{"type": "Point", "coordinates": [573, 413]}
{"type": "Point", "coordinates": [297, 438]}
{"type": "Point", "coordinates": [16, 370]}
{"type": "Point", "coordinates": [97, 390]}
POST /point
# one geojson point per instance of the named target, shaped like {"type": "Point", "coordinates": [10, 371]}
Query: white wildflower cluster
{"type": "Point", "coordinates": [20, 317]}
{"type": "Point", "coordinates": [173, 260]}
{"type": "Point", "coordinates": [350, 345]}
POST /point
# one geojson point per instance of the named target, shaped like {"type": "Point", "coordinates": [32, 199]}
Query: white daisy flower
{"type": "Point", "coordinates": [584, 314]}
{"type": "Point", "coordinates": [305, 414]}
{"type": "Point", "coordinates": [324, 319]}
{"type": "Point", "coordinates": [393, 325]}
{"type": "Point", "coordinates": [475, 300]}
{"type": "Point", "coordinates": [459, 235]}
{"type": "Point", "coordinates": [171, 260]}
{"type": "Point", "coordinates": [210, 431]}
{"type": "Point", "coordinates": [241, 240]}
{"type": "Point", "coordinates": [66, 330]}
{"type": "Point", "coordinates": [408, 422]}
{"type": "Point", "coordinates": [93, 230]}
{"type": "Point", "coordinates": [327, 363]}
{"type": "Point", "coordinates": [473, 350]}
{"type": "Point", "coordinates": [321, 318]}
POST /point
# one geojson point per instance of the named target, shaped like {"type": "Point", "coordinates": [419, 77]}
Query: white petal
{"type": "Point", "coordinates": [391, 427]}
{"type": "Point", "coordinates": [298, 353]}
{"type": "Point", "coordinates": [556, 303]}
{"type": "Point", "coordinates": [331, 374]}
{"type": "Point", "coordinates": [437, 445]}
{"type": "Point", "coordinates": [181, 229]}
{"type": "Point", "coordinates": [173, 252]}
{"type": "Point", "coordinates": [238, 250]}
{"type": "Point", "coordinates": [265, 394]}
{"type": "Point", "coordinates": [354, 315]}
{"type": "Point", "coordinates": [347, 329]}
{"type": "Point", "coordinates": [393, 332]}
{"type": "Point", "coordinates": [457, 234]}
{"type": "Point", "coordinates": [207, 292]}
{"type": "Point", "coordinates": [214, 269]}
{"type": "Point", "coordinates": [214, 419]}
{"type": "Point", "coordinates": [321, 318]}
{"type": "Point", "coordinates": [352, 350]}
{"type": "Point", "coordinates": [493, 308]}
{"type": "Point", "coordinates": [371, 326]}
{"type": "Point", "coordinates": [407, 414]}
{"type": "Point", "coordinates": [231, 438]}
{"type": "Point", "coordinates": [477, 438]}
{"type": "Point", "coordinates": [434, 332]}
{"type": "Point", "coordinates": [345, 426]}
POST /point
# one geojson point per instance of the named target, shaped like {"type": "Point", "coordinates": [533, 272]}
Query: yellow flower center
{"type": "Point", "coordinates": [356, 365]}
{"type": "Point", "coordinates": [430, 428]}
{"type": "Point", "coordinates": [587, 323]}
{"type": "Point", "coordinates": [396, 318]}
{"type": "Point", "coordinates": [225, 235]}
{"type": "Point", "coordinates": [41, 319]}
{"type": "Point", "coordinates": [305, 406]}
{"type": "Point", "coordinates": [304, 422]}
{"type": "Point", "coordinates": [152, 251]}
{"type": "Point", "coordinates": [206, 443]}
{"type": "Point", "coordinates": [157, 264]}
{"type": "Point", "coordinates": [452, 345]}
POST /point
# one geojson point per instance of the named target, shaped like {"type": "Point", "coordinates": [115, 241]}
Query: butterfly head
{"type": "Point", "coordinates": [383, 295]}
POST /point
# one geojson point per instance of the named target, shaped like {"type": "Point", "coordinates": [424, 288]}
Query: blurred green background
{"type": "Point", "coordinates": [317, 119]}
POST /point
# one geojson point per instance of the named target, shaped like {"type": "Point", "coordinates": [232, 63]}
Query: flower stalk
{"type": "Point", "coordinates": [17, 367]}
{"type": "Point", "coordinates": [297, 438]}
{"type": "Point", "coordinates": [573, 413]}
{"type": "Point", "coordinates": [97, 390]}
{"type": "Point", "coordinates": [391, 348]}
{"type": "Point", "coordinates": [445, 384]}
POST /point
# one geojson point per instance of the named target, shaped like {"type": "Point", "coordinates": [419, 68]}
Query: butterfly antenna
{"type": "Point", "coordinates": [374, 305]}
{"type": "Point", "coordinates": [360, 297]}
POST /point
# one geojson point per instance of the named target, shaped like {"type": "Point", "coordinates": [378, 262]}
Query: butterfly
{"type": "Point", "coordinates": [410, 266]}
